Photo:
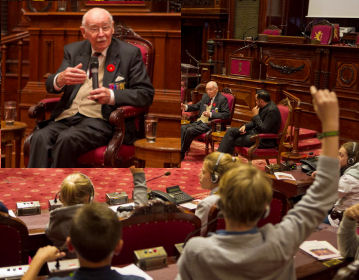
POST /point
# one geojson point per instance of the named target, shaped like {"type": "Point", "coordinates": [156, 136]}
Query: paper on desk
{"type": "Point", "coordinates": [132, 269]}
{"type": "Point", "coordinates": [189, 205]}
{"type": "Point", "coordinates": [284, 176]}
{"type": "Point", "coordinates": [320, 250]}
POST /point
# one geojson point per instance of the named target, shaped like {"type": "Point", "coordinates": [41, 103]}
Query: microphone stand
{"type": "Point", "coordinates": [244, 47]}
{"type": "Point", "coordinates": [197, 63]}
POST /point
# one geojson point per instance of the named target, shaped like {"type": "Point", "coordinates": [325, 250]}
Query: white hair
{"type": "Point", "coordinates": [85, 15]}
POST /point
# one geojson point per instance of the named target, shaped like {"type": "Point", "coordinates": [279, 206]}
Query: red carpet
{"type": "Point", "coordinates": [42, 184]}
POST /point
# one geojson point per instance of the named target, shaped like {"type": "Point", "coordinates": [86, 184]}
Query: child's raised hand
{"type": "Point", "coordinates": [326, 106]}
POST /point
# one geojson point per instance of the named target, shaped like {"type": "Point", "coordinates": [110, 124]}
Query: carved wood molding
{"type": "Point", "coordinates": [285, 69]}
{"type": "Point", "coordinates": [346, 74]}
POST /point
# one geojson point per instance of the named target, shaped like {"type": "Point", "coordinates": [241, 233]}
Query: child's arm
{"type": "Point", "coordinates": [43, 255]}
{"type": "Point", "coordinates": [310, 211]}
{"type": "Point", "coordinates": [140, 196]}
{"type": "Point", "coordinates": [348, 240]}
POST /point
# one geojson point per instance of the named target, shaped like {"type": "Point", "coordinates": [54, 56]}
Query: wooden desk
{"type": "Point", "coordinates": [165, 152]}
{"type": "Point", "coordinates": [9, 135]}
{"type": "Point", "coordinates": [306, 266]}
{"type": "Point", "coordinates": [292, 189]}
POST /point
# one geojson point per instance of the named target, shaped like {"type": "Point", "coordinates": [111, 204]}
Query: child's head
{"type": "Point", "coordinates": [245, 193]}
{"type": "Point", "coordinates": [348, 154]}
{"type": "Point", "coordinates": [214, 167]}
{"type": "Point", "coordinates": [76, 188]}
{"type": "Point", "coordinates": [95, 232]}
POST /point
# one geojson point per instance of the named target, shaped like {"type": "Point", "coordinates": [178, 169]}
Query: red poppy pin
{"type": "Point", "coordinates": [214, 105]}
{"type": "Point", "coordinates": [110, 68]}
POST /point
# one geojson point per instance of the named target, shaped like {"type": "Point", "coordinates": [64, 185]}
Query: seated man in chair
{"type": "Point", "coordinates": [266, 119]}
{"type": "Point", "coordinates": [213, 105]}
{"type": "Point", "coordinates": [80, 123]}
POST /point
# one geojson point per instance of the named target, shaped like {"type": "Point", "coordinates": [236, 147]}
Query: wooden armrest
{"type": "Point", "coordinates": [124, 112]}
{"type": "Point", "coordinates": [45, 105]}
{"type": "Point", "coordinates": [268, 136]}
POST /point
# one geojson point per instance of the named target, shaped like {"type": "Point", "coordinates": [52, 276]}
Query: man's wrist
{"type": "Point", "coordinates": [57, 82]}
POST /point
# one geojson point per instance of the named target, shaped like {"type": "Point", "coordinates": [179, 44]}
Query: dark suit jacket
{"type": "Point", "coordinates": [268, 120]}
{"type": "Point", "coordinates": [220, 109]}
{"type": "Point", "coordinates": [128, 63]}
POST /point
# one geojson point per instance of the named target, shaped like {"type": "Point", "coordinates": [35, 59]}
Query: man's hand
{"type": "Point", "coordinates": [183, 107]}
{"type": "Point", "coordinates": [255, 111]}
{"type": "Point", "coordinates": [71, 76]}
{"type": "Point", "coordinates": [101, 95]}
{"type": "Point", "coordinates": [206, 114]}
{"type": "Point", "coordinates": [135, 170]}
{"type": "Point", "coordinates": [352, 212]}
{"type": "Point", "coordinates": [242, 129]}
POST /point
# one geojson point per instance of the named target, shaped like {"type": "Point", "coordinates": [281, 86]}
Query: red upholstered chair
{"type": "Point", "coordinates": [254, 152]}
{"type": "Point", "coordinates": [272, 30]}
{"type": "Point", "coordinates": [207, 137]}
{"type": "Point", "coordinates": [114, 154]}
{"type": "Point", "coordinates": [159, 224]}
{"type": "Point", "coordinates": [13, 241]}
{"type": "Point", "coordinates": [278, 209]}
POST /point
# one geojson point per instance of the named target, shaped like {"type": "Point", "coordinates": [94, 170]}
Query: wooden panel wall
{"type": "Point", "coordinates": [294, 67]}
{"type": "Point", "coordinates": [49, 32]}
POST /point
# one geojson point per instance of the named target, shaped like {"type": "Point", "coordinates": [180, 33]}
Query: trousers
{"type": "Point", "coordinates": [60, 143]}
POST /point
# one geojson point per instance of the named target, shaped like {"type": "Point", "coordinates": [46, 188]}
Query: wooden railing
{"type": "Point", "coordinates": [19, 40]}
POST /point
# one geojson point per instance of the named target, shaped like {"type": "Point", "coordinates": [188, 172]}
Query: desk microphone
{"type": "Point", "coordinates": [94, 71]}
{"type": "Point", "coordinates": [165, 174]}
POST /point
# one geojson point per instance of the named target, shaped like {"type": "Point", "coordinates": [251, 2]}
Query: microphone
{"type": "Point", "coordinates": [244, 47]}
{"type": "Point", "coordinates": [246, 31]}
{"type": "Point", "coordinates": [94, 71]}
{"type": "Point", "coordinates": [55, 199]}
{"type": "Point", "coordinates": [165, 174]}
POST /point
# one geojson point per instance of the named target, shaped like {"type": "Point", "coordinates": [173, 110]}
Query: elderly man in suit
{"type": "Point", "coordinates": [80, 123]}
{"type": "Point", "coordinates": [213, 105]}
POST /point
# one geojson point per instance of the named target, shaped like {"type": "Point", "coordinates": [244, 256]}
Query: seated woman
{"type": "Point", "coordinates": [348, 239]}
{"type": "Point", "coordinates": [214, 167]}
{"type": "Point", "coordinates": [243, 251]}
{"type": "Point", "coordinates": [348, 190]}
{"type": "Point", "coordinates": [76, 190]}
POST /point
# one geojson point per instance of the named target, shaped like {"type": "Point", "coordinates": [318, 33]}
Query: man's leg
{"type": "Point", "coordinates": [227, 143]}
{"type": "Point", "coordinates": [41, 144]}
{"type": "Point", "coordinates": [190, 133]}
{"type": "Point", "coordinates": [85, 135]}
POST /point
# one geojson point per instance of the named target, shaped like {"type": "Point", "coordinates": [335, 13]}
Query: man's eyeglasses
{"type": "Point", "coordinates": [96, 29]}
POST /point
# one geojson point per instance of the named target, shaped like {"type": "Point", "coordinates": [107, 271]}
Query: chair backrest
{"type": "Point", "coordinates": [128, 35]}
{"type": "Point", "coordinates": [159, 224]}
{"type": "Point", "coordinates": [278, 209]}
{"type": "Point", "coordinates": [284, 114]}
{"type": "Point", "coordinates": [322, 32]}
{"type": "Point", "coordinates": [13, 241]}
{"type": "Point", "coordinates": [231, 102]}
{"type": "Point", "coordinates": [272, 30]}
